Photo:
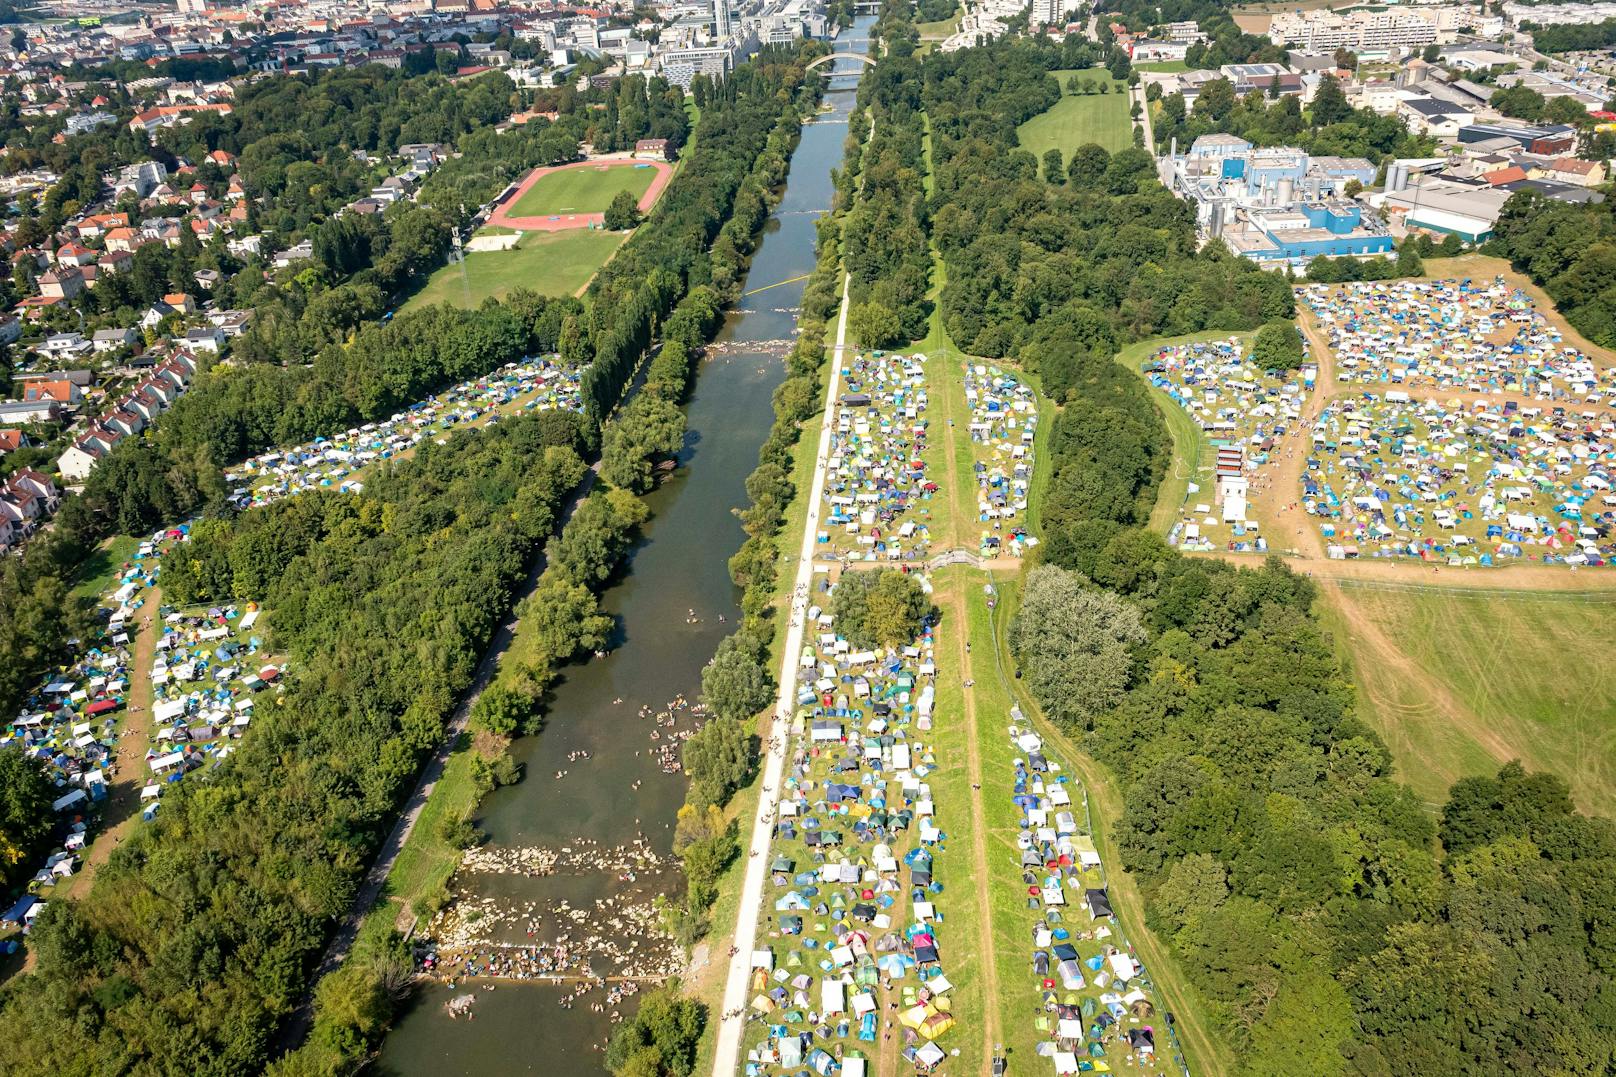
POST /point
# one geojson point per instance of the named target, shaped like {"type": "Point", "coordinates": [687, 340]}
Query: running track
{"type": "Point", "coordinates": [562, 222]}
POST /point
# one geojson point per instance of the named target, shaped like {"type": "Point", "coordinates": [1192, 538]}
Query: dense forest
{"type": "Point", "coordinates": [195, 940]}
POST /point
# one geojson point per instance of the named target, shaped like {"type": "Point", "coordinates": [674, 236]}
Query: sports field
{"type": "Point", "coordinates": [1078, 119]}
{"type": "Point", "coordinates": [550, 263]}
{"type": "Point", "coordinates": [1459, 682]}
{"type": "Point", "coordinates": [582, 190]}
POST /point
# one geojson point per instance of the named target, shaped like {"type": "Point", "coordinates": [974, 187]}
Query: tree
{"type": "Point", "coordinates": [26, 793]}
{"type": "Point", "coordinates": [719, 758]}
{"type": "Point", "coordinates": [1088, 165]}
{"type": "Point", "coordinates": [661, 1039]}
{"type": "Point", "coordinates": [1330, 104]}
{"type": "Point", "coordinates": [1432, 53]}
{"type": "Point", "coordinates": [880, 608]}
{"type": "Point", "coordinates": [1074, 642]}
{"type": "Point", "coordinates": [1409, 262]}
{"type": "Point", "coordinates": [623, 213]}
{"type": "Point", "coordinates": [500, 710]}
{"type": "Point", "coordinates": [1054, 168]}
{"type": "Point", "coordinates": [649, 427]}
{"type": "Point", "coordinates": [734, 685]}
{"type": "Point", "coordinates": [1278, 346]}
{"type": "Point", "coordinates": [875, 325]}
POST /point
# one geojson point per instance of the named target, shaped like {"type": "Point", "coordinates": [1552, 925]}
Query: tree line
{"type": "Point", "coordinates": [1570, 251]}
{"type": "Point", "coordinates": [705, 225]}
{"type": "Point", "coordinates": [1329, 126]}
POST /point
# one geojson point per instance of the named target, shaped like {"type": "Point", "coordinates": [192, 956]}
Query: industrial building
{"type": "Point", "coordinates": [1275, 204]}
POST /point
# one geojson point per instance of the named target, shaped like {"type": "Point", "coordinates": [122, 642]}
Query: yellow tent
{"type": "Point", "coordinates": [936, 1025]}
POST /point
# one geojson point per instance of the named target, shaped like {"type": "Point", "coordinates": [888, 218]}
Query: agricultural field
{"type": "Point", "coordinates": [1457, 682]}
{"type": "Point", "coordinates": [1078, 119]}
{"type": "Point", "coordinates": [581, 190]}
{"type": "Point", "coordinates": [550, 263]}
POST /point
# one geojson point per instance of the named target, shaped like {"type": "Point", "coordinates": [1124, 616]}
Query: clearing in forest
{"type": "Point", "coordinates": [1080, 118]}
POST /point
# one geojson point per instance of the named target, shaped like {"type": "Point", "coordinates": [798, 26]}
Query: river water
{"type": "Point", "coordinates": [668, 607]}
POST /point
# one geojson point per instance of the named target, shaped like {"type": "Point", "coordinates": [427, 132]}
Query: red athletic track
{"type": "Point", "coordinates": [562, 222]}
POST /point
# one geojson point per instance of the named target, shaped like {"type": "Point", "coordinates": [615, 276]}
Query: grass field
{"type": "Point", "coordinates": [582, 190]}
{"type": "Point", "coordinates": [1459, 682]}
{"type": "Point", "coordinates": [937, 30]}
{"type": "Point", "coordinates": [1164, 67]}
{"type": "Point", "coordinates": [551, 263]}
{"type": "Point", "coordinates": [100, 570]}
{"type": "Point", "coordinates": [1078, 119]}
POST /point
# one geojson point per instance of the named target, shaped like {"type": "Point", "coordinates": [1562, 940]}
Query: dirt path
{"type": "Point", "coordinates": [122, 810]}
{"type": "Point", "coordinates": [955, 603]}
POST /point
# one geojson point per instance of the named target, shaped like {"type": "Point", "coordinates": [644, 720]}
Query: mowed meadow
{"type": "Point", "coordinates": [1457, 682]}
{"type": "Point", "coordinates": [1080, 118]}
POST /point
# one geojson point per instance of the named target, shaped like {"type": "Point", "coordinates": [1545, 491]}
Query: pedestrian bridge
{"type": "Point", "coordinates": [832, 57]}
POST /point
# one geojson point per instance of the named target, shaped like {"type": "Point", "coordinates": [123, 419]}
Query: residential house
{"type": "Point", "coordinates": [106, 340]}
{"type": "Point", "coordinates": [206, 338]}
{"type": "Point", "coordinates": [59, 391]}
{"type": "Point", "coordinates": [181, 302]}
{"type": "Point", "coordinates": [62, 283]}
{"type": "Point", "coordinates": [23, 412]}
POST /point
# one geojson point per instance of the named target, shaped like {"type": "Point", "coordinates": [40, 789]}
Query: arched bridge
{"type": "Point", "coordinates": [832, 57]}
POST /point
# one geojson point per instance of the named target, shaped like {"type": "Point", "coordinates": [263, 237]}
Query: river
{"type": "Point", "coordinates": [673, 606]}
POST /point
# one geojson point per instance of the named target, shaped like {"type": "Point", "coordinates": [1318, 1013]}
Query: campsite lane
{"type": "Point", "coordinates": [123, 792]}
{"type": "Point", "coordinates": [1208, 1054]}
{"type": "Point", "coordinates": [732, 1021]}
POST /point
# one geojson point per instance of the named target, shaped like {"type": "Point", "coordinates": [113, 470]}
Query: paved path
{"type": "Point", "coordinates": [562, 222]}
{"type": "Point", "coordinates": [726, 1059]}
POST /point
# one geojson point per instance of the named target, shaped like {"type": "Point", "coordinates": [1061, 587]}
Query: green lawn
{"type": "Point", "coordinates": [100, 570]}
{"type": "Point", "coordinates": [940, 29]}
{"type": "Point", "coordinates": [1458, 683]}
{"type": "Point", "coordinates": [582, 190]}
{"type": "Point", "coordinates": [1164, 67]}
{"type": "Point", "coordinates": [551, 263]}
{"type": "Point", "coordinates": [1078, 119]}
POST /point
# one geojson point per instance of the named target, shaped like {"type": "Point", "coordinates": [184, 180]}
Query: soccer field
{"type": "Point", "coordinates": [582, 190]}
{"type": "Point", "coordinates": [1078, 119]}
{"type": "Point", "coordinates": [550, 263]}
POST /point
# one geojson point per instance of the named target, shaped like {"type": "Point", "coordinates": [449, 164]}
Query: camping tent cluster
{"type": "Point", "coordinates": [71, 720]}
{"type": "Point", "coordinates": [540, 385]}
{"type": "Point", "coordinates": [1464, 335]}
{"type": "Point", "coordinates": [1244, 411]}
{"type": "Point", "coordinates": [205, 685]}
{"type": "Point", "coordinates": [1096, 1013]}
{"type": "Point", "coordinates": [1469, 484]}
{"type": "Point", "coordinates": [877, 493]}
{"type": "Point", "coordinates": [1004, 422]}
{"type": "Point", "coordinates": [854, 934]}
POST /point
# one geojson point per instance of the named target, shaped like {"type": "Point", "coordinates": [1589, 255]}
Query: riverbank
{"type": "Point", "coordinates": [599, 773]}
